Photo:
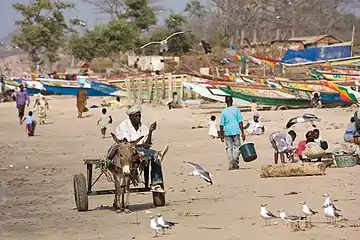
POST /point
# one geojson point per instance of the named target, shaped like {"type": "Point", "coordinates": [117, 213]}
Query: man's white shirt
{"type": "Point", "coordinates": [125, 130]}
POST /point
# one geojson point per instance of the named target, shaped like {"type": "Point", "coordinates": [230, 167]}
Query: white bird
{"type": "Point", "coordinates": [266, 214]}
{"type": "Point", "coordinates": [164, 42]}
{"type": "Point", "coordinates": [329, 202]}
{"type": "Point", "coordinates": [330, 213]}
{"type": "Point", "coordinates": [308, 212]}
{"type": "Point", "coordinates": [199, 171]}
{"type": "Point", "coordinates": [303, 119]}
{"type": "Point", "coordinates": [164, 223]}
{"type": "Point", "coordinates": [290, 218]}
{"type": "Point", "coordinates": [154, 225]}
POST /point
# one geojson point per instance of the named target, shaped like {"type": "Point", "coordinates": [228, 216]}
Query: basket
{"type": "Point", "coordinates": [346, 160]}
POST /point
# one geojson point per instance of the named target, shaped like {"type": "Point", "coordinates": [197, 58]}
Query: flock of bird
{"type": "Point", "coordinates": [160, 224]}
{"type": "Point", "coordinates": [330, 212]}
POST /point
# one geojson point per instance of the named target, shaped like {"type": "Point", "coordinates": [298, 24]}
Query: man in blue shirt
{"type": "Point", "coordinates": [231, 125]}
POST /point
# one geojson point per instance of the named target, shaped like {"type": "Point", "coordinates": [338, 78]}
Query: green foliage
{"type": "Point", "coordinates": [140, 13]}
{"type": "Point", "coordinates": [104, 40]}
{"type": "Point", "coordinates": [195, 8]}
{"type": "Point", "coordinates": [42, 29]}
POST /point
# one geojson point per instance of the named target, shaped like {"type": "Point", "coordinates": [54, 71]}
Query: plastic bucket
{"type": "Point", "coordinates": [346, 160]}
{"type": "Point", "coordinates": [248, 152]}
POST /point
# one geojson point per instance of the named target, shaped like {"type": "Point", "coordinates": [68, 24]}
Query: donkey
{"type": "Point", "coordinates": [122, 168]}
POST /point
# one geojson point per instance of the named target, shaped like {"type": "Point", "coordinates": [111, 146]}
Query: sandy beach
{"type": "Point", "coordinates": [39, 201]}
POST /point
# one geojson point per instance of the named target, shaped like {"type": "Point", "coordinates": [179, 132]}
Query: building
{"type": "Point", "coordinates": [316, 41]}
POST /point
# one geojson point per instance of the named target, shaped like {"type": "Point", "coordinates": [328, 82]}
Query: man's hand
{"type": "Point", "coordinates": [153, 127]}
{"type": "Point", "coordinates": [243, 136]}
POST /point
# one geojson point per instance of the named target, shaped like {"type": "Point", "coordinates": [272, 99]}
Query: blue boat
{"type": "Point", "coordinates": [328, 98]}
{"type": "Point", "coordinates": [93, 89]}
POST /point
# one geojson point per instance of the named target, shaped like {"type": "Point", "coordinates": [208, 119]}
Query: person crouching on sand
{"type": "Point", "coordinates": [30, 124]}
{"type": "Point", "coordinates": [282, 144]}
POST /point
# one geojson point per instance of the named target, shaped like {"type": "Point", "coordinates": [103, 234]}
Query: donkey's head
{"type": "Point", "coordinates": [125, 155]}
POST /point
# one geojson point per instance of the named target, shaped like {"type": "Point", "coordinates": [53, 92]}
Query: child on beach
{"type": "Point", "coordinates": [30, 124]}
{"type": "Point", "coordinates": [213, 133]}
{"type": "Point", "coordinates": [104, 121]}
{"type": "Point", "coordinates": [253, 106]}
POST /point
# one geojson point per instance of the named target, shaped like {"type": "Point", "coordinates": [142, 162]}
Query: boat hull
{"type": "Point", "coordinates": [268, 101]}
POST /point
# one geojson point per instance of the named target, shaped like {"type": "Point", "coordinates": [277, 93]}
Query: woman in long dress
{"type": "Point", "coordinates": [41, 107]}
{"type": "Point", "coordinates": [81, 102]}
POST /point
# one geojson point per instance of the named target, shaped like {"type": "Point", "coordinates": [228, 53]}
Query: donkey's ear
{"type": "Point", "coordinates": [116, 139]}
{"type": "Point", "coordinates": [137, 140]}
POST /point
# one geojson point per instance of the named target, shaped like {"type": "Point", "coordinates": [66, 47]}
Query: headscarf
{"type": "Point", "coordinates": [256, 114]}
{"type": "Point", "coordinates": [133, 109]}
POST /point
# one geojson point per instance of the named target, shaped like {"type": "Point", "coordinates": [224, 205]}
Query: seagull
{"type": "Point", "coordinates": [164, 223]}
{"type": "Point", "coordinates": [199, 171]}
{"type": "Point", "coordinates": [330, 213]}
{"type": "Point", "coordinates": [303, 119]}
{"type": "Point", "coordinates": [163, 43]}
{"type": "Point", "coordinates": [266, 215]}
{"type": "Point", "coordinates": [308, 212]}
{"type": "Point", "coordinates": [329, 202]}
{"type": "Point", "coordinates": [155, 226]}
{"type": "Point", "coordinates": [290, 218]}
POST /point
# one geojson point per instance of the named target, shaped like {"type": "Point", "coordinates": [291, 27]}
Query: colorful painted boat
{"type": "Point", "coordinates": [269, 97]}
{"type": "Point", "coordinates": [346, 94]}
{"type": "Point", "coordinates": [32, 87]}
{"type": "Point", "coordinates": [94, 89]}
{"type": "Point", "coordinates": [212, 92]}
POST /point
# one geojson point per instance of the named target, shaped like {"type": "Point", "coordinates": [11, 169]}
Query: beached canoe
{"type": "Point", "coordinates": [94, 89]}
{"type": "Point", "coordinates": [32, 87]}
{"type": "Point", "coordinates": [212, 92]}
{"type": "Point", "coordinates": [269, 97]}
{"type": "Point", "coordinates": [328, 96]}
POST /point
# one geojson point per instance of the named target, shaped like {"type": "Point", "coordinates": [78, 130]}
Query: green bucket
{"type": "Point", "coordinates": [346, 160]}
{"type": "Point", "coordinates": [248, 152]}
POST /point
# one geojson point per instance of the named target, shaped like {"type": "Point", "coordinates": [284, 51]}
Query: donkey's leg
{"type": "Point", "coordinates": [127, 192]}
{"type": "Point", "coordinates": [122, 191]}
{"type": "Point", "coordinates": [117, 192]}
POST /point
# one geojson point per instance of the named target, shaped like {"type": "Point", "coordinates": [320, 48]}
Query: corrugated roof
{"type": "Point", "coordinates": [311, 39]}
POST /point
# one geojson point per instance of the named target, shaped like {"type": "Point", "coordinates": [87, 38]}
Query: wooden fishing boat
{"type": "Point", "coordinates": [94, 89]}
{"type": "Point", "coordinates": [32, 87]}
{"type": "Point", "coordinates": [213, 92]}
{"type": "Point", "coordinates": [266, 96]}
{"type": "Point", "coordinates": [328, 95]}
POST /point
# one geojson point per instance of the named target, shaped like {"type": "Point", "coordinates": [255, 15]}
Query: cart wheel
{"type": "Point", "coordinates": [158, 199]}
{"type": "Point", "coordinates": [80, 193]}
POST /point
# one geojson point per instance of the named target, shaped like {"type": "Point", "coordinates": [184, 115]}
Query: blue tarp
{"type": "Point", "coordinates": [316, 54]}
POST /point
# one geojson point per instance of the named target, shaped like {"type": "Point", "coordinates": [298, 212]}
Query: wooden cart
{"type": "Point", "coordinates": [83, 187]}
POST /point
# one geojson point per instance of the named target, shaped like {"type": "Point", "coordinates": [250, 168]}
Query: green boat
{"type": "Point", "coordinates": [267, 96]}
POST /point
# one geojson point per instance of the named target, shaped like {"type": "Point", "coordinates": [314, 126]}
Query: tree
{"type": "Point", "coordinates": [42, 29]}
{"type": "Point", "coordinates": [104, 40]}
{"type": "Point", "coordinates": [141, 12]}
{"type": "Point", "coordinates": [195, 9]}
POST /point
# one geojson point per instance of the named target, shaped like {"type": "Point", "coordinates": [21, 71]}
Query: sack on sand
{"type": "Point", "coordinates": [313, 150]}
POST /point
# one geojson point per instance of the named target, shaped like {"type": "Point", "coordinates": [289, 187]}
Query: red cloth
{"type": "Point", "coordinates": [301, 147]}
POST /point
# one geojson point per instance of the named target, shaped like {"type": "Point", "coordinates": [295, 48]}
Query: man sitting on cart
{"type": "Point", "coordinates": [132, 129]}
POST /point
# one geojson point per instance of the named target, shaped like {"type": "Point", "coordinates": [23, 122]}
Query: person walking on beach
{"type": "Point", "coordinates": [22, 98]}
{"type": "Point", "coordinates": [81, 102]}
{"type": "Point", "coordinates": [104, 121]}
{"type": "Point", "coordinates": [231, 125]}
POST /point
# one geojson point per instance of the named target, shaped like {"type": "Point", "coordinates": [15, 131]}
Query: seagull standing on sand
{"type": "Point", "coordinates": [199, 171]}
{"type": "Point", "coordinates": [164, 223]}
{"type": "Point", "coordinates": [266, 215]}
{"type": "Point", "coordinates": [330, 213]}
{"type": "Point", "coordinates": [303, 119]}
{"type": "Point", "coordinates": [308, 212]}
{"type": "Point", "coordinates": [329, 202]}
{"type": "Point", "coordinates": [290, 218]}
{"type": "Point", "coordinates": [155, 226]}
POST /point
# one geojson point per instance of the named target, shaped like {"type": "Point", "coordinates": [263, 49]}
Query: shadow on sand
{"type": "Point", "coordinates": [133, 208]}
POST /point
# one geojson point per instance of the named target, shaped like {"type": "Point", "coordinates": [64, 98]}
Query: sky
{"type": "Point", "coordinates": [83, 11]}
